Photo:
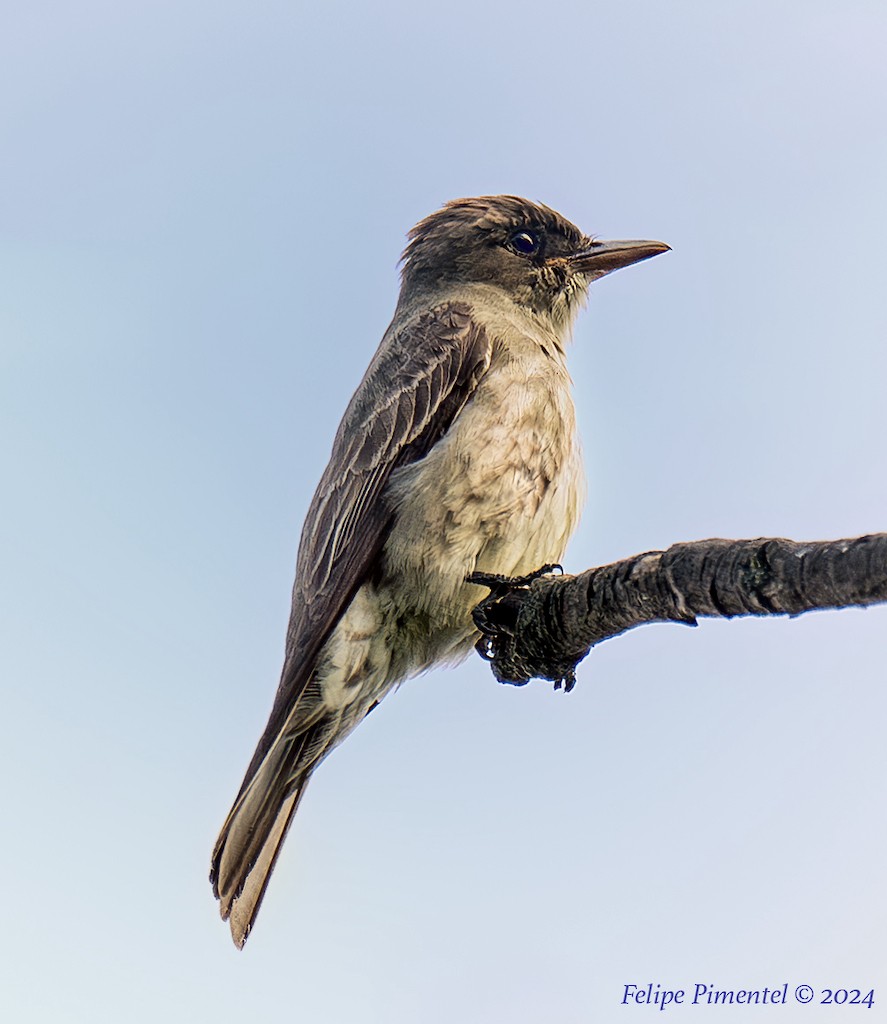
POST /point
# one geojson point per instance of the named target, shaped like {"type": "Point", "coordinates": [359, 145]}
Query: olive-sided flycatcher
{"type": "Point", "coordinates": [457, 453]}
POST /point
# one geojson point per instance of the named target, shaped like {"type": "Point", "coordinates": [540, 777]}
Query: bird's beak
{"type": "Point", "coordinates": [602, 257]}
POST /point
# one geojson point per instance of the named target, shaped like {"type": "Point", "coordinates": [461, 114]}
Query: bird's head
{"type": "Point", "coordinates": [536, 256]}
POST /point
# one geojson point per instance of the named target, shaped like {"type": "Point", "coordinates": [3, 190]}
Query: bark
{"type": "Point", "coordinates": [544, 628]}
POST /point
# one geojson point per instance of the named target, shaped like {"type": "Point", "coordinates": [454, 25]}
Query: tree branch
{"type": "Point", "coordinates": [543, 628]}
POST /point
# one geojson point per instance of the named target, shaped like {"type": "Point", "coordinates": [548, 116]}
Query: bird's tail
{"type": "Point", "coordinates": [249, 843]}
{"type": "Point", "coordinates": [252, 836]}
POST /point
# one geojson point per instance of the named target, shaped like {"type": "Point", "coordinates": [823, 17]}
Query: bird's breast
{"type": "Point", "coordinates": [501, 492]}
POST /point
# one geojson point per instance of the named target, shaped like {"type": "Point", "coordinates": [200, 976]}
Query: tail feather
{"type": "Point", "coordinates": [252, 836]}
{"type": "Point", "coordinates": [240, 905]}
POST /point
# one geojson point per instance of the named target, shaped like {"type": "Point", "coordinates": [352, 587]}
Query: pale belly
{"type": "Point", "coordinates": [417, 613]}
{"type": "Point", "coordinates": [501, 493]}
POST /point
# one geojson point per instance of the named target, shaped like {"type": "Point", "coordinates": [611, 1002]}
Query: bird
{"type": "Point", "coordinates": [457, 454]}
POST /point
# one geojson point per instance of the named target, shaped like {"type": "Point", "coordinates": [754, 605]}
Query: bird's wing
{"type": "Point", "coordinates": [420, 378]}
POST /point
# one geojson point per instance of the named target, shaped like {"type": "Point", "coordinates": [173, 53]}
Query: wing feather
{"type": "Point", "coordinates": [419, 380]}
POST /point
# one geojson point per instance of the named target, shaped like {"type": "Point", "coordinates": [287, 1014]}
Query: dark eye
{"type": "Point", "coordinates": [524, 243]}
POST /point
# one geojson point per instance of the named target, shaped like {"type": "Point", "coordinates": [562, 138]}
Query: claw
{"type": "Point", "coordinates": [500, 586]}
{"type": "Point", "coordinates": [496, 581]}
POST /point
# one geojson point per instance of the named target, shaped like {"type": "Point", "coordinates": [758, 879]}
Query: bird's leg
{"type": "Point", "coordinates": [500, 586]}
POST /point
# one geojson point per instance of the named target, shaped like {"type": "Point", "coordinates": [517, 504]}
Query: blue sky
{"type": "Point", "coordinates": [202, 210]}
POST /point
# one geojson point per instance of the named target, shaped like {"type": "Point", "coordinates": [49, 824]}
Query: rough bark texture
{"type": "Point", "coordinates": [544, 628]}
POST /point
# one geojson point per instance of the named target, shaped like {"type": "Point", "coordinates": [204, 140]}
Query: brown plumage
{"type": "Point", "coordinates": [457, 453]}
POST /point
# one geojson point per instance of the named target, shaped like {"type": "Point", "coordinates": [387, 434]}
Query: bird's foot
{"type": "Point", "coordinates": [500, 584]}
{"type": "Point", "coordinates": [484, 613]}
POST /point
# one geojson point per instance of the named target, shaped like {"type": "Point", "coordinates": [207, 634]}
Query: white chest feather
{"type": "Point", "coordinates": [500, 493]}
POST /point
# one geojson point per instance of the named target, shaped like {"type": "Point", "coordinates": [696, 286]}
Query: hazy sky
{"type": "Point", "coordinates": [200, 218]}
